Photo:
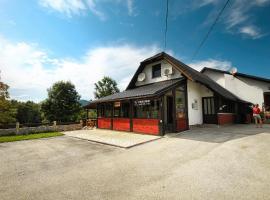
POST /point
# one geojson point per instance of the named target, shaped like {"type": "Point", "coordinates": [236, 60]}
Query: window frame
{"type": "Point", "coordinates": [226, 106]}
{"type": "Point", "coordinates": [154, 69]}
{"type": "Point", "coordinates": [121, 110]}
{"type": "Point", "coordinates": [148, 109]}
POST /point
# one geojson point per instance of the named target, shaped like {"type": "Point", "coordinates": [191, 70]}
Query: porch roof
{"type": "Point", "coordinates": [149, 90]}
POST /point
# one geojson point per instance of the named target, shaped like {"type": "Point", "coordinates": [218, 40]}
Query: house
{"type": "Point", "coordinates": [165, 95]}
{"type": "Point", "coordinates": [250, 88]}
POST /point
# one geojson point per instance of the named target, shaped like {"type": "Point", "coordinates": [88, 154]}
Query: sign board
{"type": "Point", "coordinates": [145, 102]}
{"type": "Point", "coordinates": [194, 105]}
{"type": "Point", "coordinates": [117, 104]}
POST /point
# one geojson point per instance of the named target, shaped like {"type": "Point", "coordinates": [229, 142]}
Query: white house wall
{"type": "Point", "coordinates": [251, 91]}
{"type": "Point", "coordinates": [216, 76]}
{"type": "Point", "coordinates": [148, 72]}
{"type": "Point", "coordinates": [195, 92]}
{"type": "Point", "coordinates": [245, 88]}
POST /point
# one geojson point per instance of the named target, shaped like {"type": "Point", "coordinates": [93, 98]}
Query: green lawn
{"type": "Point", "coordinates": [29, 137]}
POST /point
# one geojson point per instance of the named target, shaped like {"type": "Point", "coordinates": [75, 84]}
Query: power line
{"type": "Point", "coordinates": [166, 25]}
{"type": "Point", "coordinates": [210, 30]}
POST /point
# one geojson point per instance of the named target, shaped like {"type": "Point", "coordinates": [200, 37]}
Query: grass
{"type": "Point", "coordinates": [14, 138]}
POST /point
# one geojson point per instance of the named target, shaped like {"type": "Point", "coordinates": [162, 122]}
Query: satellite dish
{"type": "Point", "coordinates": [141, 77]}
{"type": "Point", "coordinates": [233, 70]}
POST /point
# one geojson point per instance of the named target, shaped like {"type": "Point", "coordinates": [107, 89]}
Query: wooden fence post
{"type": "Point", "coordinates": [54, 125]}
{"type": "Point", "coordinates": [17, 127]}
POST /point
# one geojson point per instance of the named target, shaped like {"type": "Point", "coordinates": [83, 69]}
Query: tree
{"type": "Point", "coordinates": [7, 113]}
{"type": "Point", "coordinates": [27, 112]}
{"type": "Point", "coordinates": [106, 86]}
{"type": "Point", "coordinates": [4, 90]}
{"type": "Point", "coordinates": [62, 103]}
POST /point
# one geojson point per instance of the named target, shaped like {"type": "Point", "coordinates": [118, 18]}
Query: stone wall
{"type": "Point", "coordinates": [39, 129]}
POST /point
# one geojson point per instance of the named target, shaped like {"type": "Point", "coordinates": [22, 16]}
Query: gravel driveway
{"type": "Point", "coordinates": [206, 163]}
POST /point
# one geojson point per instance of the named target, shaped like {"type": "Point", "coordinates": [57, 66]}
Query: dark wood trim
{"type": "Point", "coordinates": [265, 98]}
{"type": "Point", "coordinates": [87, 112]}
{"type": "Point", "coordinates": [97, 115]}
{"type": "Point", "coordinates": [173, 111]}
{"type": "Point", "coordinates": [217, 100]}
{"type": "Point", "coordinates": [161, 116]}
{"type": "Point", "coordinates": [112, 115]}
{"type": "Point", "coordinates": [131, 110]}
{"type": "Point", "coordinates": [178, 68]}
{"type": "Point", "coordinates": [186, 99]}
{"type": "Point", "coordinates": [215, 117]}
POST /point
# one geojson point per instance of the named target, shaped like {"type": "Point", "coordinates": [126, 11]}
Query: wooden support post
{"type": "Point", "coordinates": [112, 115]}
{"type": "Point", "coordinates": [98, 110]}
{"type": "Point", "coordinates": [131, 110]}
{"type": "Point", "coordinates": [174, 112]}
{"type": "Point", "coordinates": [161, 116]}
{"type": "Point", "coordinates": [186, 105]}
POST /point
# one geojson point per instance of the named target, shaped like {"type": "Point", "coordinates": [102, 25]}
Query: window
{"type": "Point", "coordinates": [117, 107]}
{"type": "Point", "coordinates": [121, 109]}
{"type": "Point", "coordinates": [226, 106]}
{"type": "Point", "coordinates": [148, 109]}
{"type": "Point", "coordinates": [101, 110]}
{"type": "Point", "coordinates": [104, 110]}
{"type": "Point", "coordinates": [125, 110]}
{"type": "Point", "coordinates": [156, 71]}
{"type": "Point", "coordinates": [209, 106]}
{"type": "Point", "coordinates": [180, 103]}
{"type": "Point", "coordinates": [108, 110]}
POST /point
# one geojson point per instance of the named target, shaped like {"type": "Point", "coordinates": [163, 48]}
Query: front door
{"type": "Point", "coordinates": [209, 111]}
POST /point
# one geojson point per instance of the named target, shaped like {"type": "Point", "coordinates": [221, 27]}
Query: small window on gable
{"type": "Point", "coordinates": [156, 71]}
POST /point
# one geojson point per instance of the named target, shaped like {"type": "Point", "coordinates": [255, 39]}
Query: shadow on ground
{"type": "Point", "coordinates": [221, 134]}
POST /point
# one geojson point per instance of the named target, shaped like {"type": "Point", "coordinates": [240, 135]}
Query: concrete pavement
{"type": "Point", "coordinates": [114, 138]}
{"type": "Point", "coordinates": [186, 166]}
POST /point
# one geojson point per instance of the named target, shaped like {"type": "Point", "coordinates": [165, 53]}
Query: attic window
{"type": "Point", "coordinates": [156, 70]}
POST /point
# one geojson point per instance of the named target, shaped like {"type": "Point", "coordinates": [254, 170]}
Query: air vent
{"type": "Point", "coordinates": [168, 71]}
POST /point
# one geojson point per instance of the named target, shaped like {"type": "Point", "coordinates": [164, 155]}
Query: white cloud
{"type": "Point", "coordinates": [93, 8]}
{"type": "Point", "coordinates": [237, 14]}
{"type": "Point", "coordinates": [67, 7]}
{"type": "Point", "coordinates": [76, 7]}
{"type": "Point", "coordinates": [130, 7]}
{"type": "Point", "coordinates": [211, 63]}
{"type": "Point", "coordinates": [251, 31]}
{"type": "Point", "coordinates": [25, 68]}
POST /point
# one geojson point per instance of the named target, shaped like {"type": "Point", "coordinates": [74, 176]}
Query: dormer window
{"type": "Point", "coordinates": [156, 70]}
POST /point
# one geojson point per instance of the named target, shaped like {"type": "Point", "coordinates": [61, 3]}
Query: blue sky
{"type": "Point", "coordinates": [43, 41]}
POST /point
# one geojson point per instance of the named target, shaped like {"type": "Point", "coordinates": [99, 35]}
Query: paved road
{"type": "Point", "coordinates": [208, 163]}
